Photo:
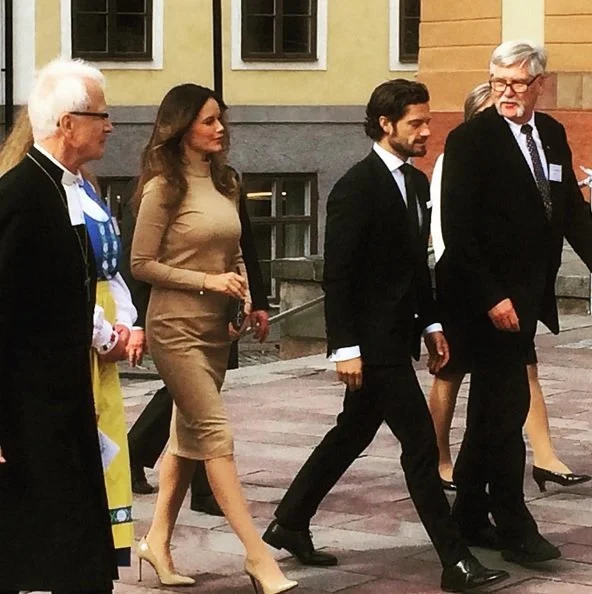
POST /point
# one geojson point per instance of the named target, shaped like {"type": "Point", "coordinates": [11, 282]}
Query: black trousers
{"type": "Point", "coordinates": [64, 591]}
{"type": "Point", "coordinates": [149, 435]}
{"type": "Point", "coordinates": [391, 394]}
{"type": "Point", "coordinates": [493, 451]}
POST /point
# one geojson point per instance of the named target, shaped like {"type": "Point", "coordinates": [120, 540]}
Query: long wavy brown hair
{"type": "Point", "coordinates": [18, 142]}
{"type": "Point", "coordinates": [164, 153]}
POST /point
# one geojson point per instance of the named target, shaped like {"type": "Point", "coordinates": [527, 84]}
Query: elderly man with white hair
{"type": "Point", "coordinates": [53, 509]}
{"type": "Point", "coordinates": [509, 197]}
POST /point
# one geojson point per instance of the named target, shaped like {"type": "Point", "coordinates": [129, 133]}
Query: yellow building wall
{"type": "Point", "coordinates": [457, 39]}
{"type": "Point", "coordinates": [357, 58]}
{"type": "Point", "coordinates": [187, 51]}
{"type": "Point", "coordinates": [357, 61]}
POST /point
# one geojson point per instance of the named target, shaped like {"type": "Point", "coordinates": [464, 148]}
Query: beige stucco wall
{"type": "Point", "coordinates": [357, 57]}
{"type": "Point", "coordinates": [187, 51]}
{"type": "Point", "coordinates": [456, 41]}
{"type": "Point", "coordinates": [357, 60]}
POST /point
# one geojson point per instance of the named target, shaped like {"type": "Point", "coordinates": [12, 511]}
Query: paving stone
{"type": "Point", "coordinates": [280, 411]}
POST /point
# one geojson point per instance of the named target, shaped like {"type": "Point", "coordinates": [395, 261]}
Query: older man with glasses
{"type": "Point", "coordinates": [509, 197]}
{"type": "Point", "coordinates": [54, 521]}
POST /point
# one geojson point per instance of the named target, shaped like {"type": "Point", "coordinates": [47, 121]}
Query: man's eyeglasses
{"type": "Point", "coordinates": [103, 115]}
{"type": "Point", "coordinates": [518, 86]}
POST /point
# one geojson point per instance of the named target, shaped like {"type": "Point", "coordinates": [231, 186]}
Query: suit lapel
{"type": "Point", "coordinates": [387, 186]}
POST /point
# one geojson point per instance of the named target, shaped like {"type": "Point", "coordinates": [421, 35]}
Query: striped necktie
{"type": "Point", "coordinates": [539, 174]}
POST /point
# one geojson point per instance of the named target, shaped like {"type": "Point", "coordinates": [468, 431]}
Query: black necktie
{"type": "Point", "coordinates": [539, 174]}
{"type": "Point", "coordinates": [407, 171]}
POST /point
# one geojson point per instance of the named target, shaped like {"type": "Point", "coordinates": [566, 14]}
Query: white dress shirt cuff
{"type": "Point", "coordinates": [126, 313]}
{"type": "Point", "coordinates": [345, 354]}
{"type": "Point", "coordinates": [436, 327]}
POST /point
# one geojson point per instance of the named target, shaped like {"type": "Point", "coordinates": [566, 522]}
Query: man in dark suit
{"type": "Point", "coordinates": [378, 299]}
{"type": "Point", "coordinates": [509, 198]}
{"type": "Point", "coordinates": [149, 434]}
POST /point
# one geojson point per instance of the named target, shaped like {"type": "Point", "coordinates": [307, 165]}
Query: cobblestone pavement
{"type": "Point", "coordinates": [279, 412]}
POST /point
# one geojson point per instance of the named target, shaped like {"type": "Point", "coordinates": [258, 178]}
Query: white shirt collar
{"type": "Point", "coordinates": [517, 128]}
{"type": "Point", "coordinates": [68, 178]}
{"type": "Point", "coordinates": [390, 160]}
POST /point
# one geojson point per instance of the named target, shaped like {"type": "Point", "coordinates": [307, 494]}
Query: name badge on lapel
{"type": "Point", "coordinates": [428, 204]}
{"type": "Point", "coordinates": [555, 172]}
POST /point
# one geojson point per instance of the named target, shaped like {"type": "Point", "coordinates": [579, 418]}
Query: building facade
{"type": "Point", "coordinates": [297, 74]}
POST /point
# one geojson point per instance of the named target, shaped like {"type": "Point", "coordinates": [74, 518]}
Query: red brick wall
{"type": "Point", "coordinates": [578, 125]}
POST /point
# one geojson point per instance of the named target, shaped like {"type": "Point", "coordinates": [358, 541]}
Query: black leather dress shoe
{"type": "Point", "coordinates": [299, 544]}
{"type": "Point", "coordinates": [533, 549]}
{"type": "Point", "coordinates": [486, 538]}
{"type": "Point", "coordinates": [468, 574]}
{"type": "Point", "coordinates": [448, 485]}
{"type": "Point", "coordinates": [140, 485]}
{"type": "Point", "coordinates": [206, 504]}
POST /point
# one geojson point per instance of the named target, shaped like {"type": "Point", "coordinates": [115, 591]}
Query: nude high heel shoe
{"type": "Point", "coordinates": [262, 586]}
{"type": "Point", "coordinates": [166, 577]}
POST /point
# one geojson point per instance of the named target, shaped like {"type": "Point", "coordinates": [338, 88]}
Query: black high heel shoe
{"type": "Point", "coordinates": [541, 476]}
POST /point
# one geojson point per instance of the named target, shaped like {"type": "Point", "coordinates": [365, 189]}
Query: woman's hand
{"type": "Point", "coordinates": [135, 347]}
{"type": "Point", "coordinates": [229, 283]}
{"type": "Point", "coordinates": [2, 458]}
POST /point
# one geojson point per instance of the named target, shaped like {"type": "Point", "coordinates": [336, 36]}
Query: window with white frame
{"type": "Point", "coordinates": [279, 34]}
{"type": "Point", "coordinates": [284, 30]}
{"type": "Point", "coordinates": [283, 213]}
{"type": "Point", "coordinates": [404, 21]}
{"type": "Point", "coordinates": [118, 30]}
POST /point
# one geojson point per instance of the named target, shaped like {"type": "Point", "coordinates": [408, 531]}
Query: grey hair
{"type": "Point", "coordinates": [476, 99]}
{"type": "Point", "coordinates": [523, 53]}
{"type": "Point", "coordinates": [60, 86]}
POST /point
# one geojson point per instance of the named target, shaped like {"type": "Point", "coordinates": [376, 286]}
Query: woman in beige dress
{"type": "Point", "coordinates": [186, 245]}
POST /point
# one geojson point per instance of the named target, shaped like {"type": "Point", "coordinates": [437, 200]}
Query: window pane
{"type": "Point", "coordinates": [90, 5]}
{"type": "Point", "coordinates": [91, 33]}
{"type": "Point", "coordinates": [410, 37]}
{"type": "Point", "coordinates": [296, 35]}
{"type": "Point", "coordinates": [260, 7]}
{"type": "Point", "coordinates": [296, 240]}
{"type": "Point", "coordinates": [130, 6]}
{"type": "Point", "coordinates": [293, 197]}
{"type": "Point", "coordinates": [260, 34]}
{"type": "Point", "coordinates": [259, 195]}
{"type": "Point", "coordinates": [131, 34]}
{"type": "Point", "coordinates": [297, 7]}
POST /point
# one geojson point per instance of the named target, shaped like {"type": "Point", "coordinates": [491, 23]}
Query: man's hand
{"type": "Point", "coordinates": [438, 350]}
{"type": "Point", "coordinates": [124, 333]}
{"type": "Point", "coordinates": [135, 347]}
{"type": "Point", "coordinates": [350, 373]}
{"type": "Point", "coordinates": [259, 321]}
{"type": "Point", "coordinates": [2, 458]}
{"type": "Point", "coordinates": [504, 317]}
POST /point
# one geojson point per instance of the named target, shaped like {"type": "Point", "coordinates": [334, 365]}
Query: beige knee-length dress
{"type": "Point", "coordinates": [187, 326]}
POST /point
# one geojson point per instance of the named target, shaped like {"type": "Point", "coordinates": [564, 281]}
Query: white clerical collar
{"type": "Point", "coordinates": [390, 160]}
{"type": "Point", "coordinates": [517, 128]}
{"type": "Point", "coordinates": [68, 178]}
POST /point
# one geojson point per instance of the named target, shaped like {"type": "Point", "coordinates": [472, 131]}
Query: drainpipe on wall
{"type": "Point", "coordinates": [8, 66]}
{"type": "Point", "coordinates": [217, 45]}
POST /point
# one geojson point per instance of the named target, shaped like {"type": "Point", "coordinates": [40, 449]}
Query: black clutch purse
{"type": "Point", "coordinates": [236, 313]}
